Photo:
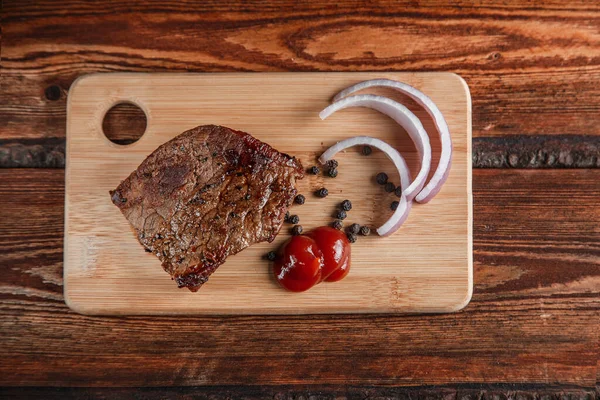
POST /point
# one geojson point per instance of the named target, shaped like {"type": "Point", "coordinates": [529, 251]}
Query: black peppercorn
{"type": "Point", "coordinates": [390, 187]}
{"type": "Point", "coordinates": [398, 191]}
{"type": "Point", "coordinates": [381, 178]}
{"type": "Point", "coordinates": [340, 214]}
{"type": "Point", "coordinates": [271, 256]}
{"type": "Point", "coordinates": [297, 230]}
{"type": "Point", "coordinates": [346, 205]}
{"type": "Point", "coordinates": [332, 164]}
{"type": "Point", "coordinates": [354, 228]}
{"type": "Point", "coordinates": [332, 173]}
{"type": "Point", "coordinates": [287, 217]}
{"type": "Point", "coordinates": [337, 224]}
{"type": "Point", "coordinates": [299, 199]}
{"type": "Point", "coordinates": [314, 170]}
{"type": "Point", "coordinates": [322, 192]}
{"type": "Point", "coordinates": [293, 219]}
{"type": "Point", "coordinates": [365, 231]}
{"type": "Point", "coordinates": [394, 205]}
{"type": "Point", "coordinates": [351, 237]}
{"type": "Point", "coordinates": [366, 150]}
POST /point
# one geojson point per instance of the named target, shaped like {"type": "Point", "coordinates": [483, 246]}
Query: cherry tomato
{"type": "Point", "coordinates": [299, 263]}
{"type": "Point", "coordinates": [336, 252]}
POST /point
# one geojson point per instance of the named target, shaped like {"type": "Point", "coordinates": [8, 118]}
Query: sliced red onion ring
{"type": "Point", "coordinates": [404, 206]}
{"type": "Point", "coordinates": [402, 116]}
{"type": "Point", "coordinates": [443, 168]}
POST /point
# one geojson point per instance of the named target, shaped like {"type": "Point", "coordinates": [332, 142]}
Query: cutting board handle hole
{"type": "Point", "coordinates": [124, 123]}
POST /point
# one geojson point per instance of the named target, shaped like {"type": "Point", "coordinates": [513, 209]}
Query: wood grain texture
{"type": "Point", "coordinates": [533, 317]}
{"type": "Point", "coordinates": [107, 271]}
{"type": "Point", "coordinates": [532, 68]}
{"type": "Point", "coordinates": [31, 237]}
{"type": "Point", "coordinates": [454, 392]}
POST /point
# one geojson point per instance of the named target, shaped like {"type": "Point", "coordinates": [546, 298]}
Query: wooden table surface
{"type": "Point", "coordinates": [532, 328]}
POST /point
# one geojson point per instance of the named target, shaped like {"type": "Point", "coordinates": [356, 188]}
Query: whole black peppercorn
{"type": "Point", "coordinates": [366, 150]}
{"type": "Point", "coordinates": [314, 170]}
{"type": "Point", "coordinates": [332, 173]}
{"type": "Point", "coordinates": [390, 187]}
{"type": "Point", "coordinates": [381, 178]}
{"type": "Point", "coordinates": [340, 214]}
{"type": "Point", "coordinates": [398, 191]}
{"type": "Point", "coordinates": [322, 192]}
{"type": "Point", "coordinates": [346, 205]}
{"type": "Point", "coordinates": [297, 230]}
{"type": "Point", "coordinates": [394, 205]}
{"type": "Point", "coordinates": [299, 199]}
{"type": "Point", "coordinates": [354, 228]}
{"type": "Point", "coordinates": [337, 224]}
{"type": "Point", "coordinates": [287, 217]}
{"type": "Point", "coordinates": [351, 237]}
{"type": "Point", "coordinates": [271, 256]}
{"type": "Point", "coordinates": [365, 231]}
{"type": "Point", "coordinates": [294, 219]}
{"type": "Point", "coordinates": [332, 164]}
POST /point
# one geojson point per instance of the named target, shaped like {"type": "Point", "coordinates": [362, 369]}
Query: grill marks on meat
{"type": "Point", "coordinates": [207, 194]}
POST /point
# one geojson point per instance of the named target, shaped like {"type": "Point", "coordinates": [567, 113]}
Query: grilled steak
{"type": "Point", "coordinates": [204, 195]}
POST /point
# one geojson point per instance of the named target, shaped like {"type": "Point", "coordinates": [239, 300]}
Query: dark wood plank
{"type": "Point", "coordinates": [32, 153]}
{"type": "Point", "coordinates": [553, 151]}
{"type": "Point", "coordinates": [532, 67]}
{"type": "Point", "coordinates": [455, 392]}
{"type": "Point", "coordinates": [541, 151]}
{"type": "Point", "coordinates": [533, 317]}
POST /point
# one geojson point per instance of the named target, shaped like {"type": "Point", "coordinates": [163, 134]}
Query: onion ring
{"type": "Point", "coordinates": [443, 169]}
{"type": "Point", "coordinates": [405, 118]}
{"type": "Point", "coordinates": [404, 206]}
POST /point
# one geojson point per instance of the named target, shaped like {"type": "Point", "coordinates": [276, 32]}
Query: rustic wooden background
{"type": "Point", "coordinates": [532, 328]}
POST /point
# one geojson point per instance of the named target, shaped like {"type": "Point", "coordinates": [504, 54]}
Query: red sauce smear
{"type": "Point", "coordinates": [305, 260]}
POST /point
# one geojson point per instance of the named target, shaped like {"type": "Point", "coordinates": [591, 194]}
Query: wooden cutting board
{"type": "Point", "coordinates": [424, 267]}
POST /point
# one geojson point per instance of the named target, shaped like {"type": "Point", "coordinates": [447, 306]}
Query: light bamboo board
{"type": "Point", "coordinates": [425, 267]}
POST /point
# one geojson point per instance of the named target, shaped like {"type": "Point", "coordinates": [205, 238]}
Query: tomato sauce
{"type": "Point", "coordinates": [305, 260]}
